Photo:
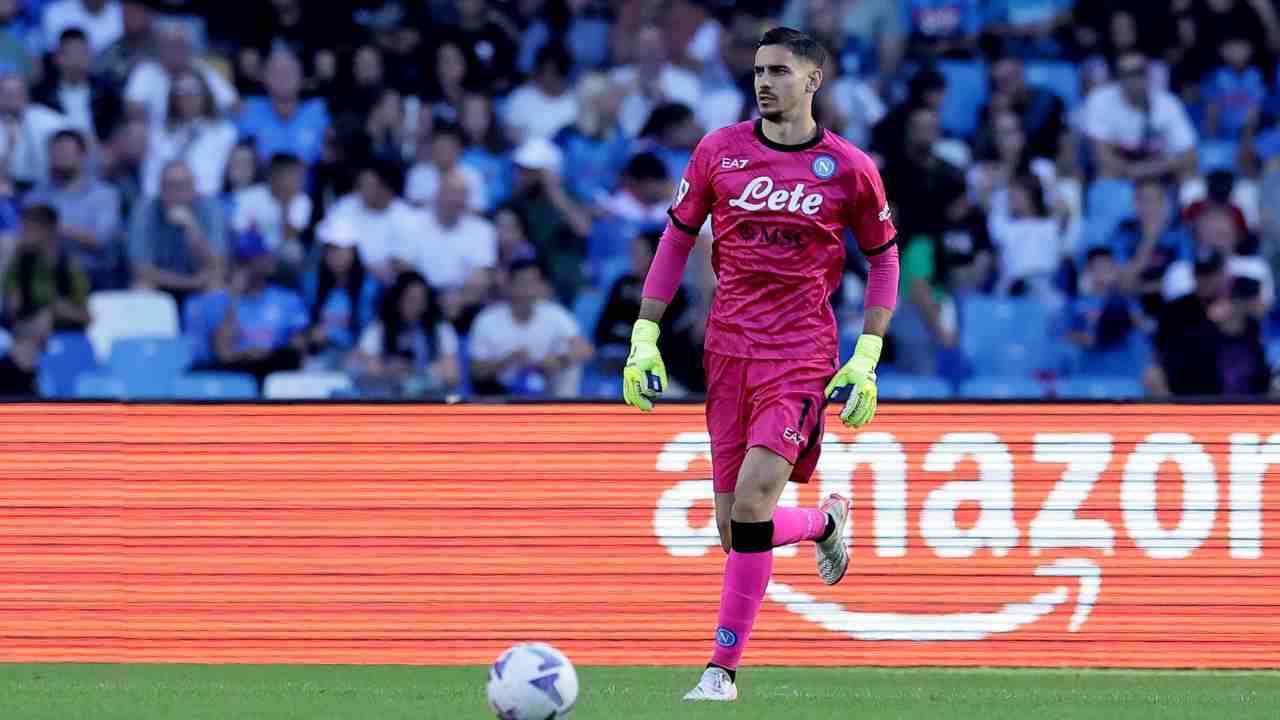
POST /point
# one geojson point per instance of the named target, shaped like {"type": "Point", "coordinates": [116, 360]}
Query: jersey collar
{"type": "Point", "coordinates": [764, 140]}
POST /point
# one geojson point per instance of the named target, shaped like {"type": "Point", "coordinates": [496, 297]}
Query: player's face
{"type": "Point", "coordinates": [785, 84]}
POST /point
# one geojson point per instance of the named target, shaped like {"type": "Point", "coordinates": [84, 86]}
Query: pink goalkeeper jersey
{"type": "Point", "coordinates": [778, 213]}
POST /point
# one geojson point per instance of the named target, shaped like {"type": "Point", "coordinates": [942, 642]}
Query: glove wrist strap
{"type": "Point", "coordinates": [644, 331]}
{"type": "Point", "coordinates": [868, 348]}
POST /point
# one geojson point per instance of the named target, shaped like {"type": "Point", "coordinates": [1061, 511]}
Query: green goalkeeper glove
{"type": "Point", "coordinates": [855, 383]}
{"type": "Point", "coordinates": [644, 377]}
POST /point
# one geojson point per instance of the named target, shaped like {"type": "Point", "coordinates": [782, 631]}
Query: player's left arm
{"type": "Point", "coordinates": [872, 224]}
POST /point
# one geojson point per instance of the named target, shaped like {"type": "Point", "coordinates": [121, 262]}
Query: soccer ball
{"type": "Point", "coordinates": [532, 681]}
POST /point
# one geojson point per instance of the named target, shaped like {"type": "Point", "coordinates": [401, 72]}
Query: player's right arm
{"type": "Point", "coordinates": [645, 376]}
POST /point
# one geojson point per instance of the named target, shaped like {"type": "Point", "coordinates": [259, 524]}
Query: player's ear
{"type": "Point", "coordinates": [815, 80]}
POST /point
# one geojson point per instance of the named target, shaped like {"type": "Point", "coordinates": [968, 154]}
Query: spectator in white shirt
{"type": "Point", "coordinates": [278, 209]}
{"type": "Point", "coordinates": [460, 253]}
{"type": "Point", "coordinates": [91, 104]}
{"type": "Point", "coordinates": [528, 345]}
{"type": "Point", "coordinates": [194, 133]}
{"type": "Point", "coordinates": [438, 154]}
{"type": "Point", "coordinates": [147, 91]}
{"type": "Point", "coordinates": [1137, 131]}
{"type": "Point", "coordinates": [1030, 242]}
{"type": "Point", "coordinates": [101, 20]}
{"type": "Point", "coordinates": [652, 81]}
{"type": "Point", "coordinates": [390, 230]}
{"type": "Point", "coordinates": [547, 103]}
{"type": "Point", "coordinates": [645, 192]}
{"type": "Point", "coordinates": [409, 350]}
{"type": "Point", "coordinates": [25, 130]}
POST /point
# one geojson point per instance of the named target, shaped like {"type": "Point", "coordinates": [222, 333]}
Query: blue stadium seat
{"type": "Point", "coordinates": [1060, 78]}
{"type": "Point", "coordinates": [1128, 360]}
{"type": "Point", "coordinates": [587, 307]}
{"type": "Point", "coordinates": [1217, 155]}
{"type": "Point", "coordinates": [913, 387]}
{"type": "Point", "coordinates": [149, 365]}
{"type": "Point", "coordinates": [599, 383]}
{"type": "Point", "coordinates": [100, 386]}
{"type": "Point", "coordinates": [1100, 387]}
{"type": "Point", "coordinates": [1010, 336]}
{"type": "Point", "coordinates": [966, 94]}
{"type": "Point", "coordinates": [994, 387]}
{"type": "Point", "coordinates": [66, 356]}
{"type": "Point", "coordinates": [1107, 204]}
{"type": "Point", "coordinates": [215, 386]}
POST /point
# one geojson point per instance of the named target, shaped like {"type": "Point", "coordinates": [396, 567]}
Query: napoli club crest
{"type": "Point", "coordinates": [824, 166]}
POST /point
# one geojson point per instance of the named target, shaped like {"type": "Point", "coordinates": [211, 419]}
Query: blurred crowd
{"type": "Point", "coordinates": [445, 197]}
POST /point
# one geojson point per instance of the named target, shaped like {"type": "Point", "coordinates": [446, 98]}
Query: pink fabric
{"type": "Point", "coordinates": [746, 575]}
{"type": "Point", "coordinates": [668, 265]}
{"type": "Point", "coordinates": [779, 216]}
{"type": "Point", "coordinates": [793, 524]}
{"type": "Point", "coordinates": [882, 280]}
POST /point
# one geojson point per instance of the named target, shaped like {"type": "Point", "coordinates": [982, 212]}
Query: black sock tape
{"type": "Point", "coordinates": [752, 537]}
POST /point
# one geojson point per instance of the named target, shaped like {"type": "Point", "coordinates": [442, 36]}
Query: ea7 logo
{"type": "Point", "coordinates": [791, 436]}
{"type": "Point", "coordinates": [733, 163]}
{"type": "Point", "coordinates": [884, 214]}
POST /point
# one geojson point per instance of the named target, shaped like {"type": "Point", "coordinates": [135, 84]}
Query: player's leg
{"type": "Point", "coordinates": [724, 510]}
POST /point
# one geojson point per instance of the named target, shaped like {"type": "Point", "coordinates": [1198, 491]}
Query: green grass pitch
{"type": "Point", "coordinates": [279, 692]}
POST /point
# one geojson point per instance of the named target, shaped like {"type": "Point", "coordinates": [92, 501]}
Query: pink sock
{"type": "Point", "coordinates": [746, 575]}
{"type": "Point", "coordinates": [793, 524]}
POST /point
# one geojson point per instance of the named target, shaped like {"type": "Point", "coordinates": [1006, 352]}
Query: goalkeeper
{"type": "Point", "coordinates": [780, 192]}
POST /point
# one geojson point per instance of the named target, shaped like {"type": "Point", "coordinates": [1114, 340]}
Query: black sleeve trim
{"type": "Point", "coordinates": [681, 226]}
{"type": "Point", "coordinates": [882, 248]}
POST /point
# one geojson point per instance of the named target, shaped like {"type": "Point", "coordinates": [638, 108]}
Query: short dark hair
{"type": "Point", "coordinates": [442, 128]}
{"type": "Point", "coordinates": [645, 166]}
{"type": "Point", "coordinates": [70, 34]}
{"type": "Point", "coordinates": [525, 263]}
{"type": "Point", "coordinates": [388, 172]}
{"type": "Point", "coordinates": [1096, 252]}
{"type": "Point", "coordinates": [69, 134]}
{"type": "Point", "coordinates": [556, 54]}
{"type": "Point", "coordinates": [40, 214]}
{"type": "Point", "coordinates": [283, 161]}
{"type": "Point", "coordinates": [801, 44]}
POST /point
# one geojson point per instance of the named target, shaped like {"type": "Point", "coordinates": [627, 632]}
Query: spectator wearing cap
{"type": "Point", "coordinates": [558, 224]}
{"type": "Point", "coordinates": [594, 145]}
{"type": "Point", "coordinates": [389, 229]}
{"type": "Point", "coordinates": [89, 102]}
{"type": "Point", "coordinates": [1137, 131]}
{"type": "Point", "coordinates": [1217, 229]}
{"type": "Point", "coordinates": [439, 153]}
{"type": "Point", "coordinates": [651, 80]}
{"type": "Point", "coordinates": [1207, 342]}
{"type": "Point", "coordinates": [409, 349]}
{"type": "Point", "coordinates": [277, 208]}
{"type": "Point", "coordinates": [546, 104]}
{"type": "Point", "coordinates": [44, 275]}
{"type": "Point", "coordinates": [194, 133]}
{"type": "Point", "coordinates": [147, 92]}
{"type": "Point", "coordinates": [177, 240]}
{"type": "Point", "coordinates": [102, 21]}
{"type": "Point", "coordinates": [341, 295]}
{"type": "Point", "coordinates": [282, 122]}
{"type": "Point", "coordinates": [25, 130]}
{"type": "Point", "coordinates": [459, 253]}
{"type": "Point", "coordinates": [253, 326]}
{"type": "Point", "coordinates": [20, 366]}
{"type": "Point", "coordinates": [88, 209]}
{"type": "Point", "coordinates": [117, 60]}
{"type": "Point", "coordinates": [527, 345]}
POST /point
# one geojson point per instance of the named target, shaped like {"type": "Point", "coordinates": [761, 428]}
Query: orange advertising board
{"type": "Point", "coordinates": [1033, 534]}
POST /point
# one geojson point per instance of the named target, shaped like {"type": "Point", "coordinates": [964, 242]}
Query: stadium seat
{"type": "Point", "coordinates": [65, 356]}
{"type": "Point", "coordinates": [1217, 155]}
{"type": "Point", "coordinates": [129, 313]}
{"type": "Point", "coordinates": [101, 386]}
{"type": "Point", "coordinates": [966, 94]}
{"type": "Point", "coordinates": [994, 387]}
{"type": "Point", "coordinates": [1128, 360]}
{"type": "Point", "coordinates": [6, 342]}
{"type": "Point", "coordinates": [587, 307]}
{"type": "Point", "coordinates": [1005, 336]}
{"type": "Point", "coordinates": [913, 387]}
{"type": "Point", "coordinates": [1060, 78]}
{"type": "Point", "coordinates": [149, 365]}
{"type": "Point", "coordinates": [1107, 204]}
{"type": "Point", "coordinates": [305, 385]}
{"type": "Point", "coordinates": [1100, 387]}
{"type": "Point", "coordinates": [215, 386]}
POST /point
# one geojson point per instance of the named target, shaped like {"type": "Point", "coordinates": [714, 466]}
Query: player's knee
{"type": "Point", "coordinates": [755, 498]}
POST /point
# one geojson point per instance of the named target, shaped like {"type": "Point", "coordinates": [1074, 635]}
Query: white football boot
{"type": "Point", "coordinates": [833, 556]}
{"type": "Point", "coordinates": [715, 685]}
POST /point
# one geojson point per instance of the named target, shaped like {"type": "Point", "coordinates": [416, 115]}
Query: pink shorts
{"type": "Point", "coordinates": [776, 404]}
